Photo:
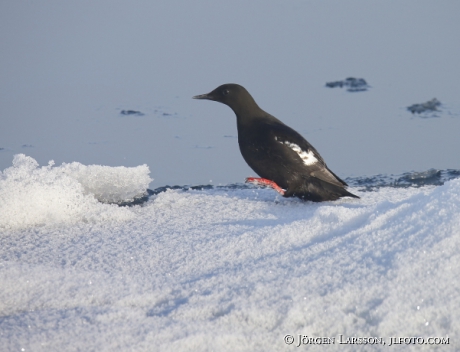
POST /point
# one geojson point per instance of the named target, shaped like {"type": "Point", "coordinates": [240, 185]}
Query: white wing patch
{"type": "Point", "coordinates": [307, 157]}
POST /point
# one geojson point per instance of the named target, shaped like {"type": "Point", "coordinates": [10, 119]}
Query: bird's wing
{"type": "Point", "coordinates": [296, 146]}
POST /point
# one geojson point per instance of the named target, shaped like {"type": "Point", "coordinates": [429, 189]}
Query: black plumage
{"type": "Point", "coordinates": [276, 152]}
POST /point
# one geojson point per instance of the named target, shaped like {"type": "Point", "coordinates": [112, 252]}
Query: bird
{"type": "Point", "coordinates": [282, 158]}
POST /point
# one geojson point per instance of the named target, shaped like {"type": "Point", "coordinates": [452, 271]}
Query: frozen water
{"type": "Point", "coordinates": [227, 269]}
{"type": "Point", "coordinates": [68, 70]}
{"type": "Point", "coordinates": [35, 196]}
{"type": "Point", "coordinates": [407, 179]}
{"type": "Point", "coordinates": [110, 184]}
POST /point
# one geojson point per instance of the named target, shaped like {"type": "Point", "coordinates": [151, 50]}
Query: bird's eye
{"type": "Point", "coordinates": [225, 92]}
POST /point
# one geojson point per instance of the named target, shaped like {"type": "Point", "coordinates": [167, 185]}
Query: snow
{"type": "Point", "coordinates": [222, 269]}
{"type": "Point", "coordinates": [33, 196]}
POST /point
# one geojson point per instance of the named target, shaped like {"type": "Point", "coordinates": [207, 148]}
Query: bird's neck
{"type": "Point", "coordinates": [246, 106]}
{"type": "Point", "coordinates": [247, 114]}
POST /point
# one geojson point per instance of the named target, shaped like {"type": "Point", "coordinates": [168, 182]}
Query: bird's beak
{"type": "Point", "coordinates": [203, 96]}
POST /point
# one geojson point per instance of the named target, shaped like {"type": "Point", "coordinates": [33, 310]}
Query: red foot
{"type": "Point", "coordinates": [265, 182]}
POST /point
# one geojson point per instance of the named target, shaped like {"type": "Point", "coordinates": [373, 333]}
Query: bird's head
{"type": "Point", "coordinates": [233, 95]}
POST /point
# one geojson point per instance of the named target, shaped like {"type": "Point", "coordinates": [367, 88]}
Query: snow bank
{"type": "Point", "coordinates": [232, 270]}
{"type": "Point", "coordinates": [111, 184]}
{"type": "Point", "coordinates": [32, 196]}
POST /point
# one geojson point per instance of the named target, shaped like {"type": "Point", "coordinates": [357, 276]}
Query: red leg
{"type": "Point", "coordinates": [265, 182]}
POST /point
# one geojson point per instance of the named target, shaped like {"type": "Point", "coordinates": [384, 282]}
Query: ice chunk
{"type": "Point", "coordinates": [131, 112]}
{"type": "Point", "coordinates": [429, 106]}
{"type": "Point", "coordinates": [110, 184]}
{"type": "Point", "coordinates": [33, 196]}
{"type": "Point", "coordinates": [352, 84]}
{"type": "Point", "coordinates": [432, 177]}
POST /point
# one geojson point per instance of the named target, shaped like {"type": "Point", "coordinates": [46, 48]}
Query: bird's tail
{"type": "Point", "coordinates": [317, 190]}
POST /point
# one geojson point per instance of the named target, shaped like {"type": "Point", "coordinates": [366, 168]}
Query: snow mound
{"type": "Point", "coordinates": [111, 184]}
{"type": "Point", "coordinates": [32, 196]}
{"type": "Point", "coordinates": [228, 269]}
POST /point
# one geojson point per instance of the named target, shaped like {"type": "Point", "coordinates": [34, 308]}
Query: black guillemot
{"type": "Point", "coordinates": [282, 158]}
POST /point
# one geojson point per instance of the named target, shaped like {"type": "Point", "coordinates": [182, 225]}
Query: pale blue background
{"type": "Point", "coordinates": [67, 68]}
